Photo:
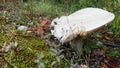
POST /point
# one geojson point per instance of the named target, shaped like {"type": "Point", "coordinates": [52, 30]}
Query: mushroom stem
{"type": "Point", "coordinates": [77, 44]}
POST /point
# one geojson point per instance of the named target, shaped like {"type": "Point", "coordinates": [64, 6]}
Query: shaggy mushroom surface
{"type": "Point", "coordinates": [67, 28]}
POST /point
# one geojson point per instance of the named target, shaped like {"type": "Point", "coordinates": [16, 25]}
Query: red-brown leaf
{"type": "Point", "coordinates": [45, 23]}
{"type": "Point", "coordinates": [32, 28]}
{"type": "Point", "coordinates": [40, 31]}
{"type": "Point", "coordinates": [112, 62]}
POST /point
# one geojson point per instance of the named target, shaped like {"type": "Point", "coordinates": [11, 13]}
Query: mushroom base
{"type": "Point", "coordinates": [77, 44]}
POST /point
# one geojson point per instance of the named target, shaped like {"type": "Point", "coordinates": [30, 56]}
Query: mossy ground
{"type": "Point", "coordinates": [29, 45]}
{"type": "Point", "coordinates": [16, 13]}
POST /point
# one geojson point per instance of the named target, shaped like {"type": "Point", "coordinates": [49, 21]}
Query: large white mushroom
{"type": "Point", "coordinates": [67, 28]}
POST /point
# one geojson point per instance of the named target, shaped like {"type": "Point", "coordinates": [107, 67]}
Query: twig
{"type": "Point", "coordinates": [111, 44]}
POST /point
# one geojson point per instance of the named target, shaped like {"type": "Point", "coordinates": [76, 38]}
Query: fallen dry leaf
{"type": "Point", "coordinates": [41, 29]}
{"type": "Point", "coordinates": [83, 66]}
{"type": "Point", "coordinates": [111, 62]}
{"type": "Point", "coordinates": [106, 38]}
{"type": "Point", "coordinates": [4, 47]}
{"type": "Point", "coordinates": [98, 52]}
{"type": "Point", "coordinates": [45, 23]}
{"type": "Point", "coordinates": [103, 65]}
{"type": "Point", "coordinates": [32, 28]}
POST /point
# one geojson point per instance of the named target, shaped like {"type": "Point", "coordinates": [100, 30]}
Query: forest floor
{"type": "Point", "coordinates": [35, 47]}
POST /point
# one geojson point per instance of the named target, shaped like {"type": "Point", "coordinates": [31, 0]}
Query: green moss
{"type": "Point", "coordinates": [114, 52]}
{"type": "Point", "coordinates": [25, 13]}
{"type": "Point", "coordinates": [31, 45]}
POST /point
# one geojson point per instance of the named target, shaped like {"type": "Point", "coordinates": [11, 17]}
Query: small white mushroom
{"type": "Point", "coordinates": [22, 28]}
{"type": "Point", "coordinates": [67, 28]}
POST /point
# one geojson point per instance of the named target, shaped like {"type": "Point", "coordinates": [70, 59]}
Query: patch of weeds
{"type": "Point", "coordinates": [29, 13]}
{"type": "Point", "coordinates": [114, 52]}
{"type": "Point", "coordinates": [52, 59]}
{"type": "Point", "coordinates": [45, 8]}
{"type": "Point", "coordinates": [89, 46]}
{"type": "Point", "coordinates": [28, 46]}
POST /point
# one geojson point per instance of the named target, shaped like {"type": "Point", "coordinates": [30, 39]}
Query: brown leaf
{"type": "Point", "coordinates": [32, 28]}
{"type": "Point", "coordinates": [107, 38]}
{"type": "Point", "coordinates": [103, 65]}
{"type": "Point", "coordinates": [83, 66]}
{"type": "Point", "coordinates": [40, 31]}
{"type": "Point", "coordinates": [20, 48]}
{"type": "Point", "coordinates": [4, 47]}
{"type": "Point", "coordinates": [98, 52]}
{"type": "Point", "coordinates": [0, 63]}
{"type": "Point", "coordinates": [112, 62]}
{"type": "Point", "coordinates": [43, 27]}
{"type": "Point", "coordinates": [45, 23]}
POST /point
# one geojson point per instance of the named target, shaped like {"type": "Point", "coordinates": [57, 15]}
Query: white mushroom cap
{"type": "Point", "coordinates": [82, 21]}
